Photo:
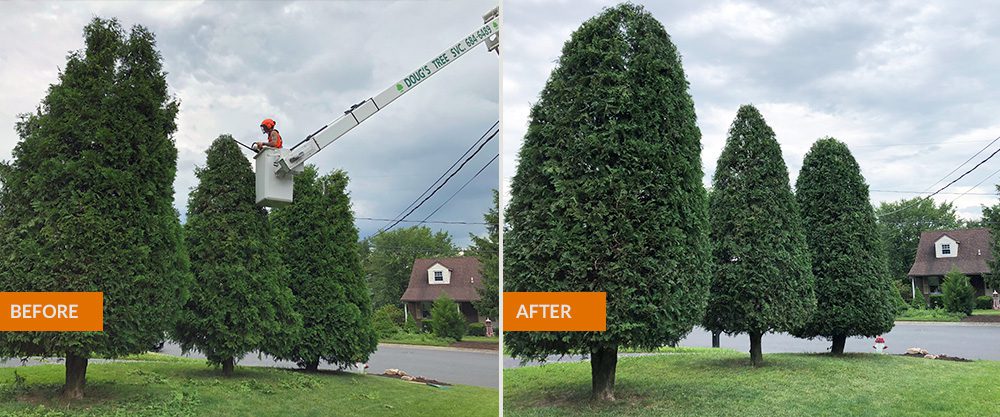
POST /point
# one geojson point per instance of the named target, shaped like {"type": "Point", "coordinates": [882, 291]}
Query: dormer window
{"type": "Point", "coordinates": [438, 274]}
{"type": "Point", "coordinates": [945, 247]}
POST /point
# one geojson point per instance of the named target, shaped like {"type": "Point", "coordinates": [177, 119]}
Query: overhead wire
{"type": "Point", "coordinates": [917, 201]}
{"type": "Point", "coordinates": [460, 189]}
{"type": "Point", "coordinates": [456, 171]}
{"type": "Point", "coordinates": [443, 174]}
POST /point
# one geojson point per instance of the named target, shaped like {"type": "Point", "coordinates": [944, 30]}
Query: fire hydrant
{"type": "Point", "coordinates": [489, 328]}
{"type": "Point", "coordinates": [880, 346]}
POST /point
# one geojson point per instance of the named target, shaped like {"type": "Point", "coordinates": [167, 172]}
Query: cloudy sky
{"type": "Point", "coordinates": [911, 87]}
{"type": "Point", "coordinates": [302, 63]}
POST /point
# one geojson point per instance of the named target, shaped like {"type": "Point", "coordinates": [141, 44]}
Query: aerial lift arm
{"type": "Point", "coordinates": [276, 167]}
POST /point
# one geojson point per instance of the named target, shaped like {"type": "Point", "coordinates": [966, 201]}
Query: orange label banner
{"type": "Point", "coordinates": [555, 311]}
{"type": "Point", "coordinates": [52, 311]}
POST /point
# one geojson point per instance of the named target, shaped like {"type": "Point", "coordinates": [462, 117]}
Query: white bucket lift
{"type": "Point", "coordinates": [272, 190]}
{"type": "Point", "coordinates": [277, 167]}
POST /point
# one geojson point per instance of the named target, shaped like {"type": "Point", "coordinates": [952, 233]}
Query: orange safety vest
{"type": "Point", "coordinates": [274, 139]}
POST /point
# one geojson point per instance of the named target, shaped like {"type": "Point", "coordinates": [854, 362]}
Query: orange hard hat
{"type": "Point", "coordinates": [268, 123]}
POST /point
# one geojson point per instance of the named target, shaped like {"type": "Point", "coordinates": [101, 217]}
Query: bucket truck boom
{"type": "Point", "coordinates": [276, 168]}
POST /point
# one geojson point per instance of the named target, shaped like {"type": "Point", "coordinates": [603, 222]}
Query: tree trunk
{"type": "Point", "coordinates": [839, 340]}
{"type": "Point", "coordinates": [756, 357]}
{"type": "Point", "coordinates": [227, 366]}
{"type": "Point", "coordinates": [603, 362]}
{"type": "Point", "coordinates": [312, 366]}
{"type": "Point", "coordinates": [76, 377]}
{"type": "Point", "coordinates": [716, 342]}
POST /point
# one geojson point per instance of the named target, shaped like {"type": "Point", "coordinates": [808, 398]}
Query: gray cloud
{"type": "Point", "coordinates": [302, 64]}
{"type": "Point", "coordinates": [872, 74]}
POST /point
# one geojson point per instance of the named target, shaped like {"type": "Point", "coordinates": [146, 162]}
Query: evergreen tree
{"type": "Point", "coordinates": [389, 259]}
{"type": "Point", "coordinates": [991, 221]}
{"type": "Point", "coordinates": [763, 280]}
{"type": "Point", "coordinates": [855, 294]}
{"type": "Point", "coordinates": [487, 250]}
{"type": "Point", "coordinates": [957, 293]}
{"type": "Point", "coordinates": [238, 300]}
{"type": "Point", "coordinates": [608, 194]}
{"type": "Point", "coordinates": [319, 243]}
{"type": "Point", "coordinates": [86, 204]}
{"type": "Point", "coordinates": [446, 319]}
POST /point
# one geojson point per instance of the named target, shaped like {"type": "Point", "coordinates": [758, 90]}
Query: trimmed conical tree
{"type": "Point", "coordinates": [319, 243]}
{"type": "Point", "coordinates": [86, 204]}
{"type": "Point", "coordinates": [608, 194]}
{"type": "Point", "coordinates": [763, 280]}
{"type": "Point", "coordinates": [855, 294]}
{"type": "Point", "coordinates": [238, 300]}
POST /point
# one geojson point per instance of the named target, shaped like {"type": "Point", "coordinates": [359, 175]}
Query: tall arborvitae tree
{"type": "Point", "coordinates": [487, 250]}
{"type": "Point", "coordinates": [238, 300]}
{"type": "Point", "coordinates": [763, 280]}
{"type": "Point", "coordinates": [87, 202]}
{"type": "Point", "coordinates": [855, 294]}
{"type": "Point", "coordinates": [608, 195]}
{"type": "Point", "coordinates": [319, 243]}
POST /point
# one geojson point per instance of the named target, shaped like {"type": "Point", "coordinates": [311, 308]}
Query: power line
{"type": "Point", "coordinates": [887, 145]}
{"type": "Point", "coordinates": [460, 189]}
{"type": "Point", "coordinates": [963, 164]}
{"type": "Point", "coordinates": [397, 216]}
{"type": "Point", "coordinates": [947, 185]}
{"type": "Point", "coordinates": [921, 192]}
{"type": "Point", "coordinates": [377, 219]}
{"type": "Point", "coordinates": [442, 183]}
{"type": "Point", "coordinates": [977, 184]}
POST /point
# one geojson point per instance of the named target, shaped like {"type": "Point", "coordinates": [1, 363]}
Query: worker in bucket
{"type": "Point", "coordinates": [273, 137]}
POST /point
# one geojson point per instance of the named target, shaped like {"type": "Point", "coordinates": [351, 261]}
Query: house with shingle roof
{"type": "Point", "coordinates": [941, 250]}
{"type": "Point", "coordinates": [457, 277]}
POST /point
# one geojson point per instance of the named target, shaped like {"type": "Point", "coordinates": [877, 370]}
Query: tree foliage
{"type": "Point", "coordinates": [239, 300]}
{"type": "Point", "coordinates": [900, 224]}
{"type": "Point", "coordinates": [318, 241]}
{"type": "Point", "coordinates": [608, 193]}
{"type": "Point", "coordinates": [390, 255]}
{"type": "Point", "coordinates": [991, 221]}
{"type": "Point", "coordinates": [86, 204]}
{"type": "Point", "coordinates": [957, 293]}
{"type": "Point", "coordinates": [487, 250]}
{"type": "Point", "coordinates": [446, 319]}
{"type": "Point", "coordinates": [763, 280]}
{"type": "Point", "coordinates": [855, 294]}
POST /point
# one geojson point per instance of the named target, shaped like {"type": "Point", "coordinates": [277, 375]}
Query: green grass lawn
{"type": "Point", "coordinates": [427, 339]}
{"type": "Point", "coordinates": [986, 312]}
{"type": "Point", "coordinates": [940, 315]}
{"type": "Point", "coordinates": [720, 382]}
{"type": "Point", "coordinates": [929, 315]}
{"type": "Point", "coordinates": [188, 387]}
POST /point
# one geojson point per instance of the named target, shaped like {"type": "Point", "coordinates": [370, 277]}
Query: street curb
{"type": "Point", "coordinates": [445, 348]}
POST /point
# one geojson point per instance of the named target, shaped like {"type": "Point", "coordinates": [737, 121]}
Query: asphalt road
{"type": "Point", "coordinates": [967, 340]}
{"type": "Point", "coordinates": [454, 366]}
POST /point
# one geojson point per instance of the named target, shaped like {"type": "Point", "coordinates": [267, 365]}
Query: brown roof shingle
{"type": "Point", "coordinates": [465, 280]}
{"type": "Point", "coordinates": [973, 257]}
